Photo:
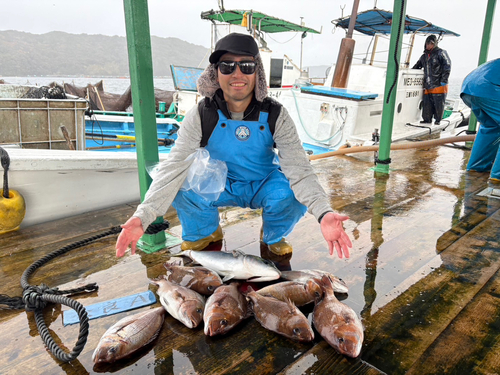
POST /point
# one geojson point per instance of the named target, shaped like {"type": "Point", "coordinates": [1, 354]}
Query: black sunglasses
{"type": "Point", "coordinates": [228, 67]}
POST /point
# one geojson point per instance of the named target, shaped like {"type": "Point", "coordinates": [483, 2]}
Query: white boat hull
{"type": "Point", "coordinates": [58, 184]}
{"type": "Point", "coordinates": [332, 121]}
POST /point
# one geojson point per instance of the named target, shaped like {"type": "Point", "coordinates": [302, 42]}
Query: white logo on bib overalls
{"type": "Point", "coordinates": [242, 133]}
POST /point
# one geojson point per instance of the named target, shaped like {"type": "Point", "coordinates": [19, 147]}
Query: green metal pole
{"type": "Point", "coordinates": [143, 103]}
{"type": "Point", "coordinates": [483, 52]}
{"type": "Point", "coordinates": [391, 86]}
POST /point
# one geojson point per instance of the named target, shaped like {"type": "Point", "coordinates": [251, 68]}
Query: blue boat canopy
{"type": "Point", "coordinates": [378, 21]}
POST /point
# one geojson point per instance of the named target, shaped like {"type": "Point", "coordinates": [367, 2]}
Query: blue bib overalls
{"type": "Point", "coordinates": [254, 180]}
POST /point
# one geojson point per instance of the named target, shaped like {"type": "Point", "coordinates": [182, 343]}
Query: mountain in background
{"type": "Point", "coordinates": [62, 54]}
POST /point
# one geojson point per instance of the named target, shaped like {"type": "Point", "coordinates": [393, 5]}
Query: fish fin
{"type": "Point", "coordinates": [291, 306]}
{"type": "Point", "coordinates": [326, 284]}
{"type": "Point", "coordinates": [227, 278]}
{"type": "Point", "coordinates": [179, 295]}
{"type": "Point", "coordinates": [237, 253]}
{"type": "Point", "coordinates": [155, 335]}
{"type": "Point", "coordinates": [249, 290]}
{"type": "Point", "coordinates": [250, 303]}
{"type": "Point", "coordinates": [174, 261]}
{"type": "Point", "coordinates": [155, 281]}
{"type": "Point", "coordinates": [164, 302]}
{"type": "Point", "coordinates": [249, 311]}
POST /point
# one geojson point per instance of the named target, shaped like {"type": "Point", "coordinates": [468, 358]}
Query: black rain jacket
{"type": "Point", "coordinates": [437, 67]}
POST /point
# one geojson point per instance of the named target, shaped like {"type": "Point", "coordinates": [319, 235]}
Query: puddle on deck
{"type": "Point", "coordinates": [398, 225]}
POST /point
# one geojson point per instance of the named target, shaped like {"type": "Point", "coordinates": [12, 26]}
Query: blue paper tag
{"type": "Point", "coordinates": [111, 307]}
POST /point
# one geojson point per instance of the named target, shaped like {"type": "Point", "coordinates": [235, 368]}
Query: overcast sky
{"type": "Point", "coordinates": [181, 19]}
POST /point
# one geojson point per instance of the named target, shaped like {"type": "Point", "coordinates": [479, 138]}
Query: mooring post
{"type": "Point", "coordinates": [143, 103]}
{"type": "Point", "coordinates": [483, 54]}
{"type": "Point", "coordinates": [391, 85]}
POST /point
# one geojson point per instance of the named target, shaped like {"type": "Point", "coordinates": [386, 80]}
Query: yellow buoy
{"type": "Point", "coordinates": [12, 211]}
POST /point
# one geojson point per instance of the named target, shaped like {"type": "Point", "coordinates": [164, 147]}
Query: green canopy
{"type": "Point", "coordinates": [260, 21]}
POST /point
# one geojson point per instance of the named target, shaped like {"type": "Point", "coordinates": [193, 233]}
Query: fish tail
{"type": "Point", "coordinates": [325, 282]}
{"type": "Point", "coordinates": [173, 261]}
{"type": "Point", "coordinates": [155, 281]}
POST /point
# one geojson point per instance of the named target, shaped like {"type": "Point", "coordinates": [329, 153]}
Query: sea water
{"type": "Point", "coordinates": [118, 85]}
{"type": "Point", "coordinates": [115, 85]}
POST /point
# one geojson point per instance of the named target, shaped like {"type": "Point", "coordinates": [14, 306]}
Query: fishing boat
{"type": "Point", "coordinates": [351, 115]}
{"type": "Point", "coordinates": [49, 166]}
{"type": "Point", "coordinates": [59, 184]}
{"type": "Point", "coordinates": [327, 117]}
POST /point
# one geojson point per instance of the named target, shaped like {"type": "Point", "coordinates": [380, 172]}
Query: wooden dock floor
{"type": "Point", "coordinates": [424, 275]}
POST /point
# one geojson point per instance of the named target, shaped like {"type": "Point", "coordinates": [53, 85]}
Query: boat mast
{"type": "Point", "coordinates": [344, 59]}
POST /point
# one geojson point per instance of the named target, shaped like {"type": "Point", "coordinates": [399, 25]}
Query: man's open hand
{"type": "Point", "coordinates": [335, 235]}
{"type": "Point", "coordinates": [131, 233]}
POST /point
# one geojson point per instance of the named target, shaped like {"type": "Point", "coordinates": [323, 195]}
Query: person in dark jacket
{"type": "Point", "coordinates": [437, 67]}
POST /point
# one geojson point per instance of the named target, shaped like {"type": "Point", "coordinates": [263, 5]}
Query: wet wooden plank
{"type": "Point", "coordinates": [471, 342]}
{"type": "Point", "coordinates": [399, 333]}
{"type": "Point", "coordinates": [96, 263]}
{"type": "Point", "coordinates": [477, 208]}
{"type": "Point", "coordinates": [57, 230]}
{"type": "Point", "coordinates": [395, 225]}
{"type": "Point", "coordinates": [323, 359]}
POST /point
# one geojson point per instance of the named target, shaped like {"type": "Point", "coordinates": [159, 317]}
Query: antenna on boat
{"type": "Point", "coordinates": [221, 5]}
{"type": "Point", "coordinates": [302, 42]}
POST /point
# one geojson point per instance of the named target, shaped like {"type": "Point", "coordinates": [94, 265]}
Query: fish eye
{"type": "Point", "coordinates": [341, 340]}
{"type": "Point", "coordinates": [317, 294]}
{"type": "Point", "coordinates": [112, 349]}
{"type": "Point", "coordinates": [296, 331]}
{"type": "Point", "coordinates": [210, 288]}
{"type": "Point", "coordinates": [223, 322]}
{"type": "Point", "coordinates": [199, 311]}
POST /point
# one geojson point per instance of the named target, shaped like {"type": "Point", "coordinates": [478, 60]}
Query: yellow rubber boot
{"type": "Point", "coordinates": [204, 242]}
{"type": "Point", "coordinates": [279, 248]}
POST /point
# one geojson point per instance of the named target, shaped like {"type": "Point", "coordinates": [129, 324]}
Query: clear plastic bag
{"type": "Point", "coordinates": [206, 176]}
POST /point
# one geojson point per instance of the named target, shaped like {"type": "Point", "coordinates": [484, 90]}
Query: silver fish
{"type": "Point", "coordinates": [339, 285]}
{"type": "Point", "coordinates": [129, 335]}
{"type": "Point", "coordinates": [280, 317]}
{"type": "Point", "coordinates": [182, 303]}
{"type": "Point", "coordinates": [337, 323]}
{"type": "Point", "coordinates": [224, 310]}
{"type": "Point", "coordinates": [235, 265]}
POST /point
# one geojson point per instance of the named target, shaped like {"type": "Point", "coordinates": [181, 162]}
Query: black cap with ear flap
{"type": "Point", "coordinates": [431, 39]}
{"type": "Point", "coordinates": [239, 44]}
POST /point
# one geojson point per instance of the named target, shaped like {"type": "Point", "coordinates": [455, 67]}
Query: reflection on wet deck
{"type": "Point", "coordinates": [423, 275]}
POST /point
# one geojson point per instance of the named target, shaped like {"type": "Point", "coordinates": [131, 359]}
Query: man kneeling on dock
{"type": "Point", "coordinates": [238, 124]}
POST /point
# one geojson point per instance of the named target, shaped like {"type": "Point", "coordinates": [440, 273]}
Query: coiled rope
{"type": "Point", "coordinates": [35, 298]}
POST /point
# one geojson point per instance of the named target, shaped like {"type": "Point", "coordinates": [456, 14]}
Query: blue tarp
{"type": "Point", "coordinates": [378, 21]}
{"type": "Point", "coordinates": [481, 92]}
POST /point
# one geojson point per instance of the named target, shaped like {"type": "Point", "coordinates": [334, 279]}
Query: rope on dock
{"type": "Point", "coordinates": [35, 298]}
